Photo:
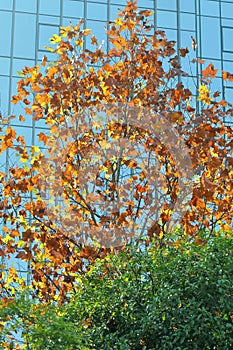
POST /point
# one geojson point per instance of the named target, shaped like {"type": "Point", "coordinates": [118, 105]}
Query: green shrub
{"type": "Point", "coordinates": [170, 298]}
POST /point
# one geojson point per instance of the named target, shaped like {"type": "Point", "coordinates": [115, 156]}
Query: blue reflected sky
{"type": "Point", "coordinates": [26, 26]}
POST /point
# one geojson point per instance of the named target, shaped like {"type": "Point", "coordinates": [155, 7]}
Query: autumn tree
{"type": "Point", "coordinates": [130, 153]}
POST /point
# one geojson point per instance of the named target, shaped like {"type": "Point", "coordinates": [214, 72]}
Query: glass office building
{"type": "Point", "coordinates": [27, 25]}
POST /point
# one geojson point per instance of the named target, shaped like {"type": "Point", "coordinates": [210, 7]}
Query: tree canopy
{"type": "Point", "coordinates": [128, 152]}
{"type": "Point", "coordinates": [179, 297]}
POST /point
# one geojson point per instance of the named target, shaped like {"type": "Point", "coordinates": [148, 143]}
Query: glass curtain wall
{"type": "Point", "coordinates": [27, 25]}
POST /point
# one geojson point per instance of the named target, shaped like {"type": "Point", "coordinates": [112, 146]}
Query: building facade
{"type": "Point", "coordinates": [27, 26]}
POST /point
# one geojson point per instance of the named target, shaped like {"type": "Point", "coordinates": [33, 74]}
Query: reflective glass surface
{"type": "Point", "coordinates": [27, 25]}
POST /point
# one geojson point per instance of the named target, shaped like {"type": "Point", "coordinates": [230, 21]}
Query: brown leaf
{"type": "Point", "coordinates": [184, 52]}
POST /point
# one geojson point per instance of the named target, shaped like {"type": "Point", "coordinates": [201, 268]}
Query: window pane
{"type": "Point", "coordinates": [228, 66]}
{"type": "Point", "coordinates": [167, 4]}
{"type": "Point", "coordinates": [210, 36]}
{"type": "Point", "coordinates": [209, 8]}
{"type": "Point", "coordinates": [187, 21]}
{"type": "Point", "coordinates": [228, 39]}
{"type": "Point", "coordinates": [51, 56]}
{"type": "Point", "coordinates": [98, 11]}
{"type": "Point", "coordinates": [226, 22]}
{"type": "Point", "coordinates": [5, 35]}
{"type": "Point", "coordinates": [19, 107]}
{"type": "Point", "coordinates": [25, 35]}
{"type": "Point", "coordinates": [228, 56]}
{"type": "Point", "coordinates": [74, 20]}
{"type": "Point", "coordinates": [149, 4]}
{"type": "Point", "coordinates": [186, 40]}
{"type": "Point", "coordinates": [73, 8]}
{"type": "Point", "coordinates": [166, 19]}
{"type": "Point", "coordinates": [227, 9]}
{"type": "Point", "coordinates": [3, 160]}
{"type": "Point", "coordinates": [19, 64]}
{"type": "Point", "coordinates": [51, 7]}
{"type": "Point", "coordinates": [49, 19]}
{"type": "Point", "coordinates": [120, 2]}
{"type": "Point", "coordinates": [229, 97]}
{"type": "Point", "coordinates": [4, 95]}
{"type": "Point", "coordinates": [4, 65]}
{"type": "Point", "coordinates": [25, 5]}
{"type": "Point", "coordinates": [105, 1]}
{"type": "Point", "coordinates": [171, 34]}
{"type": "Point", "coordinates": [189, 82]}
{"type": "Point", "coordinates": [26, 132]}
{"type": "Point", "coordinates": [45, 33]}
{"type": "Point", "coordinates": [6, 4]}
{"type": "Point", "coordinates": [216, 85]}
{"type": "Point", "coordinates": [114, 10]}
{"type": "Point", "coordinates": [98, 30]}
{"type": "Point", "coordinates": [188, 6]}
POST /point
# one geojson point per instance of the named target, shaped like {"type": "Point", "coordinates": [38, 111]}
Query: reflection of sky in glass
{"type": "Point", "coordinates": [28, 24]}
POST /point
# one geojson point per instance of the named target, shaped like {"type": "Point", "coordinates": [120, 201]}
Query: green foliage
{"type": "Point", "coordinates": [177, 297]}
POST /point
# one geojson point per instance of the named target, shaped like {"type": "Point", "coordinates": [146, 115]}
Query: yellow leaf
{"type": "Point", "coordinates": [35, 149]}
{"type": "Point", "coordinates": [20, 73]}
{"type": "Point", "coordinates": [204, 94]}
{"type": "Point", "coordinates": [79, 42]}
{"type": "Point", "coordinates": [86, 31]}
{"type": "Point", "coordinates": [49, 48]}
{"type": "Point", "coordinates": [23, 158]}
{"type": "Point", "coordinates": [64, 31]}
{"type": "Point", "coordinates": [118, 22]}
{"type": "Point", "coordinates": [55, 39]}
{"type": "Point", "coordinates": [7, 239]}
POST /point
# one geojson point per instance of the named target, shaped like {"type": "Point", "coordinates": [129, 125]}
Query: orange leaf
{"type": "Point", "coordinates": [28, 110]}
{"type": "Point", "coordinates": [227, 76]}
{"type": "Point", "coordinates": [43, 63]}
{"type": "Point", "coordinates": [146, 13]}
{"type": "Point", "coordinates": [43, 138]}
{"type": "Point", "coordinates": [209, 72]}
{"type": "Point", "coordinates": [21, 118]}
{"type": "Point", "coordinates": [94, 40]}
{"type": "Point", "coordinates": [15, 233]}
{"type": "Point", "coordinates": [118, 43]}
{"type": "Point", "coordinates": [16, 99]}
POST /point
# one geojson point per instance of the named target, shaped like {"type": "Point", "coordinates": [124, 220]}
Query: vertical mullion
{"type": "Point", "coordinates": [107, 26]}
{"type": "Point", "coordinates": [10, 78]}
{"type": "Point", "coordinates": [221, 47]}
{"type": "Point", "coordinates": [155, 14]}
{"type": "Point", "coordinates": [198, 30]}
{"type": "Point", "coordinates": [178, 31]}
{"type": "Point", "coordinates": [85, 20]}
{"type": "Point", "coordinates": [11, 56]}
